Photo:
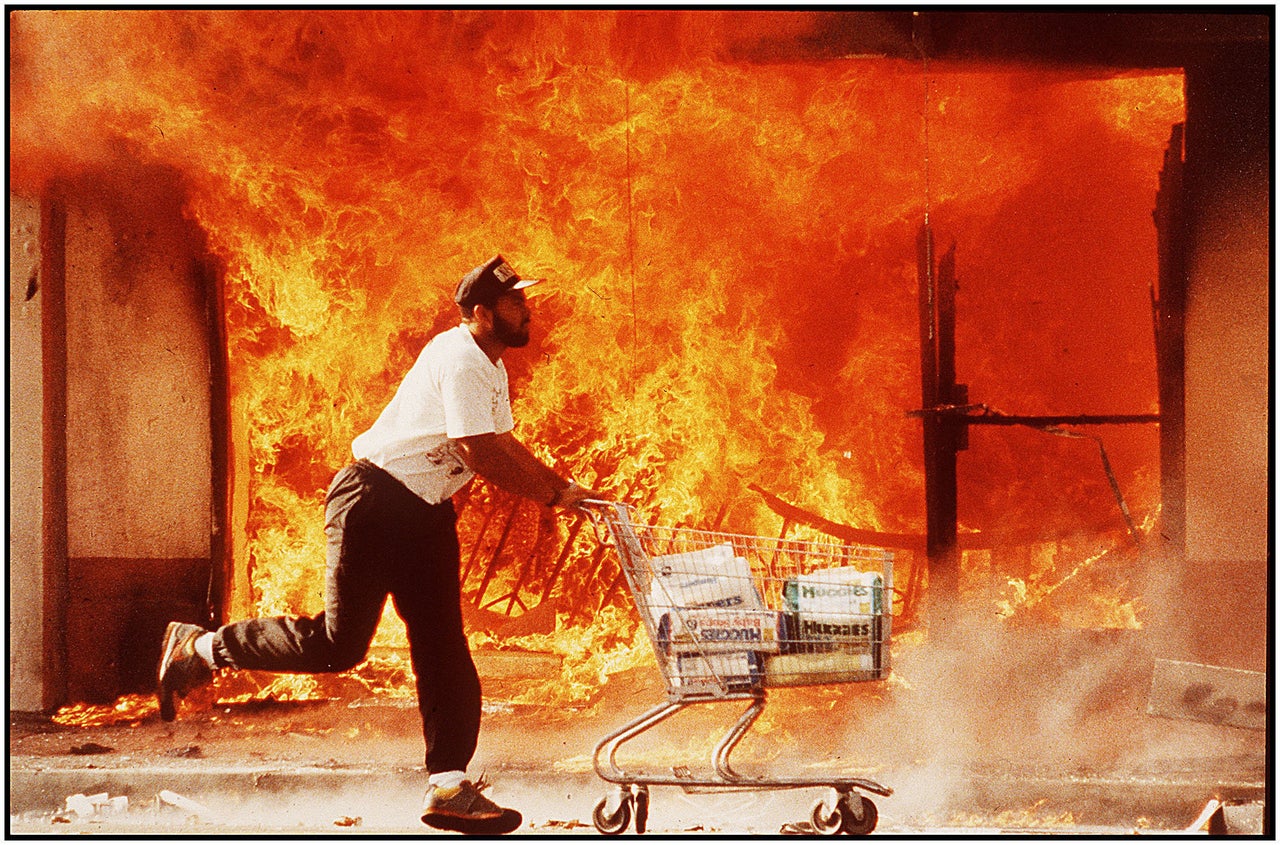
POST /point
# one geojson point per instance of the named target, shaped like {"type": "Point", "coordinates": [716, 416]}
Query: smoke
{"type": "Point", "coordinates": [964, 725]}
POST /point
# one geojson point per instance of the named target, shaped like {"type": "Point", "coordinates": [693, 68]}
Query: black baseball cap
{"type": "Point", "coordinates": [484, 284]}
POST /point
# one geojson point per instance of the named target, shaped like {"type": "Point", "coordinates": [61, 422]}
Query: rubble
{"type": "Point", "coordinates": [194, 808]}
{"type": "Point", "coordinates": [96, 806]}
{"type": "Point", "coordinates": [91, 748]}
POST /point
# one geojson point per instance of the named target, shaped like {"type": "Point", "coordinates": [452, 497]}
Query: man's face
{"type": "Point", "coordinates": [511, 319]}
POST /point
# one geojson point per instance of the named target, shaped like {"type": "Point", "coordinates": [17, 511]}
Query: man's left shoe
{"type": "Point", "coordinates": [181, 670]}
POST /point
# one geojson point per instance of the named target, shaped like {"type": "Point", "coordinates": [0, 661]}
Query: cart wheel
{"type": "Point", "coordinates": [642, 808]}
{"type": "Point", "coordinates": [827, 821]}
{"type": "Point", "coordinates": [851, 806]}
{"type": "Point", "coordinates": [616, 823]}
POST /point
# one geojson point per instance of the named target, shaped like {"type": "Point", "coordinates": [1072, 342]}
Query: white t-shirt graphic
{"type": "Point", "coordinates": [453, 390]}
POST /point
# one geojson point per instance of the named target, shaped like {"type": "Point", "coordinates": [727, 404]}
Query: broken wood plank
{"type": "Point", "coordinates": [1215, 694]}
{"type": "Point", "coordinates": [859, 536]}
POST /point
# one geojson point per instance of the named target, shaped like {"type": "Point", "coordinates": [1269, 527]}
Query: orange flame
{"type": "Point", "coordinates": [128, 708]}
{"type": "Point", "coordinates": [731, 246]}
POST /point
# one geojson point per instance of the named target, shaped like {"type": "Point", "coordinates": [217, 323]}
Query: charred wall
{"type": "Point", "coordinates": [1227, 349]}
{"type": "Point", "coordinates": [28, 666]}
{"type": "Point", "coordinates": [117, 430]}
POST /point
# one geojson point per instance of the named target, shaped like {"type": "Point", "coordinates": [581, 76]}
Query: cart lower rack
{"type": "Point", "coordinates": [731, 616]}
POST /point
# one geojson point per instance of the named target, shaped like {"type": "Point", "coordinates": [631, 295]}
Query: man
{"type": "Point", "coordinates": [390, 530]}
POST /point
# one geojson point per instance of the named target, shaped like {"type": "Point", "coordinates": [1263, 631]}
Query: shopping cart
{"type": "Point", "coordinates": [731, 616]}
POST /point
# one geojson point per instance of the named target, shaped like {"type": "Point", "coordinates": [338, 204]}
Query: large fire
{"type": "Point", "coordinates": [731, 248]}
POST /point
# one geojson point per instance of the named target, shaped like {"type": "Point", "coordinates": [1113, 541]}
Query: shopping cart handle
{"type": "Point", "coordinates": [602, 512]}
{"type": "Point", "coordinates": [598, 509]}
{"type": "Point", "coordinates": [602, 503]}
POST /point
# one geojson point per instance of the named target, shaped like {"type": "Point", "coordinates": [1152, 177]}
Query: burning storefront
{"type": "Point", "coordinates": [235, 229]}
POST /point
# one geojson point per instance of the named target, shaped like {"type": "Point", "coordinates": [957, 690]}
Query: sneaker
{"type": "Point", "coordinates": [446, 806]}
{"type": "Point", "coordinates": [181, 670]}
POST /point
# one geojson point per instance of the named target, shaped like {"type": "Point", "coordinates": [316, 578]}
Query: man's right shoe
{"type": "Point", "coordinates": [181, 670]}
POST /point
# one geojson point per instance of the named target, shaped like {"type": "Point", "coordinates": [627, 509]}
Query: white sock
{"type": "Point", "coordinates": [447, 780]}
{"type": "Point", "coordinates": [204, 648]}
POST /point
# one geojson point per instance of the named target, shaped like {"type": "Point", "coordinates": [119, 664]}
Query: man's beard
{"type": "Point", "coordinates": [510, 335]}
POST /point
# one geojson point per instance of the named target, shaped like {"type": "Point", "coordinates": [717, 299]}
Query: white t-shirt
{"type": "Point", "coordinates": [453, 390]}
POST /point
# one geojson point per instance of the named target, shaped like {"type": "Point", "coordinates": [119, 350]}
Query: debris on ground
{"type": "Point", "coordinates": [96, 806]}
{"type": "Point", "coordinates": [571, 824]}
{"type": "Point", "coordinates": [91, 748]}
{"type": "Point", "coordinates": [193, 808]}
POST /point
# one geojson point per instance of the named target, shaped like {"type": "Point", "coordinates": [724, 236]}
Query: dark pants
{"type": "Point", "coordinates": [382, 539]}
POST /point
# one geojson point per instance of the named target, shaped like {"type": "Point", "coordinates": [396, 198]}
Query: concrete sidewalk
{"type": "Point", "coordinates": [339, 766]}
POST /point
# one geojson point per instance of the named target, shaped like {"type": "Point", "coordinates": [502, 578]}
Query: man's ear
{"type": "Point", "coordinates": [483, 314]}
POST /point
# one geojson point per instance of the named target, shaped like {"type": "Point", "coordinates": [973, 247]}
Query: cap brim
{"type": "Point", "coordinates": [525, 283]}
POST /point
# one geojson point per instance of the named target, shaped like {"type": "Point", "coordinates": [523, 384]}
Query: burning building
{"type": "Point", "coordinates": [840, 272]}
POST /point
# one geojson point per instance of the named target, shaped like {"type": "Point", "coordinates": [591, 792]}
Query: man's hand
{"type": "Point", "coordinates": [573, 496]}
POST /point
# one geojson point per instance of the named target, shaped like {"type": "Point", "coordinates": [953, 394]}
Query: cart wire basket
{"type": "Point", "coordinates": [731, 616]}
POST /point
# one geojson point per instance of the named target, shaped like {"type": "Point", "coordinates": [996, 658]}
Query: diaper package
{"type": "Point", "coordinates": [718, 673]}
{"type": "Point", "coordinates": [833, 610]}
{"type": "Point", "coordinates": [719, 630]}
{"type": "Point", "coordinates": [841, 591]}
{"type": "Point", "coordinates": [711, 577]}
{"type": "Point", "coordinates": [799, 670]}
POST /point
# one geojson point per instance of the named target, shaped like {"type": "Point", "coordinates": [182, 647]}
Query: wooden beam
{"type": "Point", "coordinates": [1170, 302]}
{"type": "Point", "coordinates": [937, 386]}
{"type": "Point", "coordinates": [943, 507]}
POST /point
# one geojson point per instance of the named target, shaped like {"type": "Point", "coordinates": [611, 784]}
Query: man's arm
{"type": "Point", "coordinates": [505, 461]}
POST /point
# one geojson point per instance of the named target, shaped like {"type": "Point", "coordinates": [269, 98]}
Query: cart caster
{"type": "Point", "coordinates": [826, 820]}
{"type": "Point", "coordinates": [858, 814]}
{"type": "Point", "coordinates": [611, 824]}
{"type": "Point", "coordinates": [641, 798]}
